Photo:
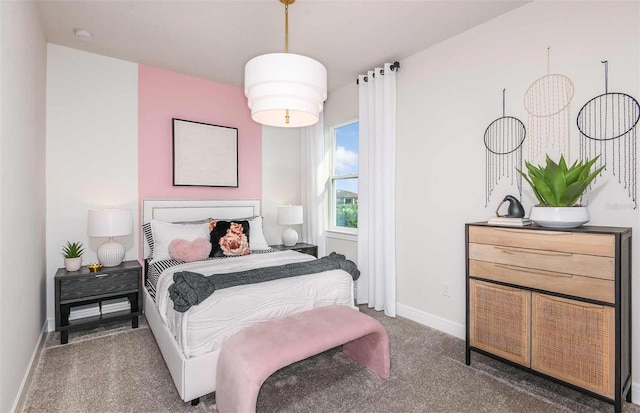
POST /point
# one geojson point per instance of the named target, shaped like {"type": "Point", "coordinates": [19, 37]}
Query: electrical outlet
{"type": "Point", "coordinates": [445, 289]}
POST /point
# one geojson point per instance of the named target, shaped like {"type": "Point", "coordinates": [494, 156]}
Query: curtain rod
{"type": "Point", "coordinates": [394, 66]}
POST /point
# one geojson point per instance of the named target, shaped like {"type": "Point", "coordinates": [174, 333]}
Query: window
{"type": "Point", "coordinates": [344, 177]}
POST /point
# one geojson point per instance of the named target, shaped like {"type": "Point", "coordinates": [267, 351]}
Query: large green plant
{"type": "Point", "coordinates": [73, 250]}
{"type": "Point", "coordinates": [557, 185]}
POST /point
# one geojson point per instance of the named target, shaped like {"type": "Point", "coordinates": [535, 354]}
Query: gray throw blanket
{"type": "Point", "coordinates": [191, 288]}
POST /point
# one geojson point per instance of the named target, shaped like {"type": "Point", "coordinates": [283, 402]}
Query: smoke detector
{"type": "Point", "coordinates": [82, 34]}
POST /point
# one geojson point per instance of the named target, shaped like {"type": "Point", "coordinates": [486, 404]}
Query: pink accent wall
{"type": "Point", "coordinates": [163, 95]}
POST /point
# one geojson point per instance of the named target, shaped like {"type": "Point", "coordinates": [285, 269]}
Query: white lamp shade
{"type": "Point", "coordinates": [290, 215]}
{"type": "Point", "coordinates": [110, 222]}
{"type": "Point", "coordinates": [277, 82]}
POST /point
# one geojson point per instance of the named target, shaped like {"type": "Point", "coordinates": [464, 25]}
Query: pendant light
{"type": "Point", "coordinates": [285, 89]}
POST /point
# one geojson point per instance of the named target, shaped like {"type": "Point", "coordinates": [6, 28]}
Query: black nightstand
{"type": "Point", "coordinates": [300, 247]}
{"type": "Point", "coordinates": [74, 288]}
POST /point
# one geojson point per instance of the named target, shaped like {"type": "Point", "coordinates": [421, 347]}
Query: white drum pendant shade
{"type": "Point", "coordinates": [277, 82]}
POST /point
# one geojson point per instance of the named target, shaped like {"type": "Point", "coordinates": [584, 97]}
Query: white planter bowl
{"type": "Point", "coordinates": [73, 264]}
{"type": "Point", "coordinates": [559, 217]}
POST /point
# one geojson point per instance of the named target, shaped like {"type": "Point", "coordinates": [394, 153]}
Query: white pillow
{"type": "Point", "coordinates": [165, 232]}
{"type": "Point", "coordinates": [256, 236]}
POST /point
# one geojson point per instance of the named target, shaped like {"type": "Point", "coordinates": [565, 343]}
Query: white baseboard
{"type": "Point", "coordinates": [430, 320]}
{"type": "Point", "coordinates": [635, 393]}
{"type": "Point", "coordinates": [27, 374]}
{"type": "Point", "coordinates": [51, 324]}
{"type": "Point", "coordinates": [459, 331]}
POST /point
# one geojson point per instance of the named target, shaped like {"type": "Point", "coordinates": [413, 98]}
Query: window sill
{"type": "Point", "coordinates": [343, 235]}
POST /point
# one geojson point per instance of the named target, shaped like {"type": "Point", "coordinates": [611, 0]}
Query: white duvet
{"type": "Point", "coordinates": [204, 327]}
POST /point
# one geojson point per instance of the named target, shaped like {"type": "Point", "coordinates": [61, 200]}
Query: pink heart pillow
{"type": "Point", "coordinates": [189, 251]}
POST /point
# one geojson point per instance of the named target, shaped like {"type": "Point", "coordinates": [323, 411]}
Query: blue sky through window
{"type": "Point", "coordinates": [346, 156]}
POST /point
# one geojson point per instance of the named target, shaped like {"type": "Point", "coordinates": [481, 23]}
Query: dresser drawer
{"type": "Point", "coordinates": [573, 242]}
{"type": "Point", "coordinates": [99, 284]}
{"type": "Point", "coordinates": [554, 261]}
{"type": "Point", "coordinates": [584, 287]}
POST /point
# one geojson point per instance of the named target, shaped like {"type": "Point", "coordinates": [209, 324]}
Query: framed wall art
{"type": "Point", "coordinates": [204, 154]}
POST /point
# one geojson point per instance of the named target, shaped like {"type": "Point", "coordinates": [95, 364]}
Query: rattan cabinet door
{"type": "Point", "coordinates": [499, 320]}
{"type": "Point", "coordinates": [574, 341]}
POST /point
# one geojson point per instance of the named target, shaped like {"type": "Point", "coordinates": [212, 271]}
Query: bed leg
{"type": "Point", "coordinates": [195, 401]}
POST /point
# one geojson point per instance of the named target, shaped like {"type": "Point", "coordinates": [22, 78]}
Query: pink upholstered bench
{"type": "Point", "coordinates": [253, 354]}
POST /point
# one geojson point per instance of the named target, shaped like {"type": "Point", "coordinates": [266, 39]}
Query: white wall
{"type": "Point", "coordinates": [280, 177]}
{"type": "Point", "coordinates": [92, 150]}
{"type": "Point", "coordinates": [449, 94]}
{"type": "Point", "coordinates": [341, 105]}
{"type": "Point", "coordinates": [22, 191]}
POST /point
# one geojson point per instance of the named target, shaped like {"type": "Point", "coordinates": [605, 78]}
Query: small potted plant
{"type": "Point", "coordinates": [558, 189]}
{"type": "Point", "coordinates": [72, 253]}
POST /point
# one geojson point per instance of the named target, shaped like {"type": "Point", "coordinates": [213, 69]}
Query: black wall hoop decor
{"type": "Point", "coordinates": [607, 125]}
{"type": "Point", "coordinates": [503, 139]}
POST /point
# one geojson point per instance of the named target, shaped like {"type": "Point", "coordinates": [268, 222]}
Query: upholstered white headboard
{"type": "Point", "coordinates": [175, 210]}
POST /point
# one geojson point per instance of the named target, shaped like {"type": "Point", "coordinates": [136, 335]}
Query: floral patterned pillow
{"type": "Point", "coordinates": [229, 238]}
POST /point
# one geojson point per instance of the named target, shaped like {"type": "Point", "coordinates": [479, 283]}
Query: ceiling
{"type": "Point", "coordinates": [215, 39]}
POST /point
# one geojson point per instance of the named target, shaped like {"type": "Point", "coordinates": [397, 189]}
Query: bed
{"type": "Point", "coordinates": [190, 342]}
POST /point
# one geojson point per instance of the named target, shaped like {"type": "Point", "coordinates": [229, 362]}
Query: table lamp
{"type": "Point", "coordinates": [110, 223]}
{"type": "Point", "coordinates": [290, 215]}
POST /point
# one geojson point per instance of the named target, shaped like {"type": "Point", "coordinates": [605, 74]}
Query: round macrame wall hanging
{"type": "Point", "coordinates": [503, 141]}
{"type": "Point", "coordinates": [607, 125]}
{"type": "Point", "coordinates": [548, 103]}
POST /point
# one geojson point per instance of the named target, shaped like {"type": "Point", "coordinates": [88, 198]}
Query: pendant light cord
{"type": "Point", "coordinates": [286, 27]}
{"type": "Point", "coordinates": [287, 117]}
{"type": "Point", "coordinates": [286, 3]}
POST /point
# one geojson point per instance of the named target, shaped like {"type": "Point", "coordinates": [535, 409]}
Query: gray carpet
{"type": "Point", "coordinates": [119, 369]}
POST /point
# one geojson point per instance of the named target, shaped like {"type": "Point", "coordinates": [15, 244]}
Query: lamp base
{"type": "Point", "coordinates": [289, 237]}
{"type": "Point", "coordinates": [111, 253]}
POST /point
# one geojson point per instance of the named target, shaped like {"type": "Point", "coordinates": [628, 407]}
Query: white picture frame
{"type": "Point", "coordinates": [204, 154]}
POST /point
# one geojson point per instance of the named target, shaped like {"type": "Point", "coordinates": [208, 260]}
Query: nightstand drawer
{"type": "Point", "coordinates": [299, 247]}
{"type": "Point", "coordinates": [306, 250]}
{"type": "Point", "coordinates": [98, 284]}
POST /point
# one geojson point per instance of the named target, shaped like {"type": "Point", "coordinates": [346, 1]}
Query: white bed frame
{"type": "Point", "coordinates": [193, 377]}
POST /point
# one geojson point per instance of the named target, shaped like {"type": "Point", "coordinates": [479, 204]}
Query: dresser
{"type": "Point", "coordinates": [554, 302]}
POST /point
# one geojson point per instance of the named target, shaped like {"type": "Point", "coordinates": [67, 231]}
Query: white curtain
{"type": "Point", "coordinates": [376, 195]}
{"type": "Point", "coordinates": [314, 180]}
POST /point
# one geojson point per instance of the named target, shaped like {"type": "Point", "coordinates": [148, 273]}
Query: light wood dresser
{"type": "Point", "coordinates": [554, 302]}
